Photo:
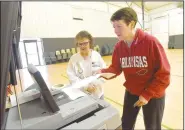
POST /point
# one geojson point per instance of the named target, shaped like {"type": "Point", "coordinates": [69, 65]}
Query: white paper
{"type": "Point", "coordinates": [24, 97]}
{"type": "Point", "coordinates": [107, 75]}
{"type": "Point", "coordinates": [99, 90]}
{"type": "Point", "coordinates": [95, 80]}
{"type": "Point", "coordinates": [85, 82]}
{"type": "Point", "coordinates": [73, 93]}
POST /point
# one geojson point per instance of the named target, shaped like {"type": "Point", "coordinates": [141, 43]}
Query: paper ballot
{"type": "Point", "coordinates": [76, 90]}
{"type": "Point", "coordinates": [74, 93]}
{"type": "Point", "coordinates": [25, 97]}
{"type": "Point", "coordinates": [99, 90]}
{"type": "Point", "coordinates": [95, 80]}
{"type": "Point", "coordinates": [107, 75]}
{"type": "Point", "coordinates": [85, 82]}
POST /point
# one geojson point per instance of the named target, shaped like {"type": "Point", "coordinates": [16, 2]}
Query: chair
{"type": "Point", "coordinates": [58, 56]}
{"type": "Point", "coordinates": [53, 57]}
{"type": "Point", "coordinates": [69, 53]}
{"type": "Point", "coordinates": [47, 58]}
{"type": "Point", "coordinates": [73, 50]}
{"type": "Point", "coordinates": [97, 48]}
{"type": "Point", "coordinates": [64, 54]}
{"type": "Point", "coordinates": [111, 47]}
{"type": "Point", "coordinates": [105, 50]}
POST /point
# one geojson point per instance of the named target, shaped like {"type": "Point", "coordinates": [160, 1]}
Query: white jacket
{"type": "Point", "coordinates": [79, 68]}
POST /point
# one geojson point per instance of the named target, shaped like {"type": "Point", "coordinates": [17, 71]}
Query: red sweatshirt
{"type": "Point", "coordinates": [144, 64]}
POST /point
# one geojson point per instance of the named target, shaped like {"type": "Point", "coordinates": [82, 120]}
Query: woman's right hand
{"type": "Point", "coordinates": [91, 88]}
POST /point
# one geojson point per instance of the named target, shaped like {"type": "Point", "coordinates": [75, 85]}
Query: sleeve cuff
{"type": "Point", "coordinates": [102, 70]}
{"type": "Point", "coordinates": [146, 95]}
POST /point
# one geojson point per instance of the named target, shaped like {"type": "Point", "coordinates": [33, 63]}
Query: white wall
{"type": "Point", "coordinates": [166, 21]}
{"type": "Point", "coordinates": [160, 29]}
{"type": "Point", "coordinates": [176, 22]}
{"type": "Point", "coordinates": [55, 19]}
{"type": "Point", "coordinates": [174, 16]}
{"type": "Point", "coordinates": [45, 19]}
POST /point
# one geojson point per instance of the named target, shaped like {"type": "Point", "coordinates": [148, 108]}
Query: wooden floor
{"type": "Point", "coordinates": [114, 90]}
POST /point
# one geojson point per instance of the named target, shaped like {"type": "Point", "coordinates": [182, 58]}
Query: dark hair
{"type": "Point", "coordinates": [84, 34]}
{"type": "Point", "coordinates": [127, 14]}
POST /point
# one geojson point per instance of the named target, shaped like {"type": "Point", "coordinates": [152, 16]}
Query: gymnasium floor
{"type": "Point", "coordinates": [114, 91]}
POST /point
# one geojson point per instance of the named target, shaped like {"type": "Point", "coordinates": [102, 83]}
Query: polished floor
{"type": "Point", "coordinates": [114, 90]}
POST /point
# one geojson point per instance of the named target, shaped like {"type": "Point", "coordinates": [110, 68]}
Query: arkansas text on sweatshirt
{"type": "Point", "coordinates": [144, 64]}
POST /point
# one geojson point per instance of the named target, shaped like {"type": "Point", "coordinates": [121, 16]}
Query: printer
{"type": "Point", "coordinates": [56, 110]}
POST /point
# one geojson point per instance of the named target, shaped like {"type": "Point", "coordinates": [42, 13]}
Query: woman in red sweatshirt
{"type": "Point", "coordinates": [145, 66]}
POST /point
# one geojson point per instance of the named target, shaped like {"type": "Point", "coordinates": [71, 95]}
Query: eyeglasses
{"type": "Point", "coordinates": [82, 44]}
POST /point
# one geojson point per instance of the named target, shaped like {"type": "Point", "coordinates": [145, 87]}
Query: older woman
{"type": "Point", "coordinates": [85, 63]}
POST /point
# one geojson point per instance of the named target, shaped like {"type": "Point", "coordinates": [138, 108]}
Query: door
{"type": "Point", "coordinates": [31, 51]}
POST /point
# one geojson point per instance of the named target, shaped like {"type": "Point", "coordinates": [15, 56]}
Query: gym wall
{"type": "Point", "coordinates": [54, 22]}
{"type": "Point", "coordinates": [166, 24]}
{"type": "Point", "coordinates": [57, 19]}
{"type": "Point", "coordinates": [53, 44]}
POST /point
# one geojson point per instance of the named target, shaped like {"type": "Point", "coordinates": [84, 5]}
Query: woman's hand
{"type": "Point", "coordinates": [142, 101]}
{"type": "Point", "coordinates": [91, 88]}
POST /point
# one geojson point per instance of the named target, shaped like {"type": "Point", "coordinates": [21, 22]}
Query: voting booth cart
{"type": "Point", "coordinates": [42, 107]}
